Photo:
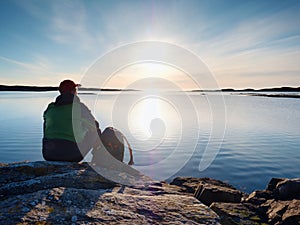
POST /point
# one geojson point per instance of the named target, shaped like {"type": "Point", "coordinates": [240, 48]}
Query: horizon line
{"type": "Point", "coordinates": [4, 87]}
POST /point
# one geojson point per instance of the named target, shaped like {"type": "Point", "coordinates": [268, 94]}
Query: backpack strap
{"type": "Point", "coordinates": [130, 151]}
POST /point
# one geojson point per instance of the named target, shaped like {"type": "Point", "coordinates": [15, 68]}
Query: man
{"type": "Point", "coordinates": [70, 130]}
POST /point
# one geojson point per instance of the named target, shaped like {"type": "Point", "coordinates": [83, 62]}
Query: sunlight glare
{"type": "Point", "coordinates": [153, 117]}
{"type": "Point", "coordinates": [143, 70]}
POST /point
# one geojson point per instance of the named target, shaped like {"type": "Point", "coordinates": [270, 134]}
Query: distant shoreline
{"type": "Point", "coordinates": [26, 88]}
{"type": "Point", "coordinates": [272, 95]}
{"type": "Point", "coordinates": [275, 89]}
{"type": "Point", "coordinates": [50, 88]}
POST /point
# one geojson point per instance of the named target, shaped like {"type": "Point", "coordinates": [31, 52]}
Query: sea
{"type": "Point", "coordinates": [236, 138]}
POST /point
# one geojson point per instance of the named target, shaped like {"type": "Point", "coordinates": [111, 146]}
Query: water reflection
{"type": "Point", "coordinates": [261, 139]}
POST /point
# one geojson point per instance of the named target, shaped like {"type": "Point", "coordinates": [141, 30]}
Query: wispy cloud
{"type": "Point", "coordinates": [235, 46]}
{"type": "Point", "coordinates": [264, 45]}
{"type": "Point", "coordinates": [32, 67]}
{"type": "Point", "coordinates": [38, 73]}
{"type": "Point", "coordinates": [68, 25]}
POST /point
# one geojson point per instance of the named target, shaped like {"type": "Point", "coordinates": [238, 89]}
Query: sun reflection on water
{"type": "Point", "coordinates": [153, 119]}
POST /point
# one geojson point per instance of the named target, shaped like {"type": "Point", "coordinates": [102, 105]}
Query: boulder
{"type": "Point", "coordinates": [209, 193]}
{"type": "Point", "coordinates": [23, 178]}
{"type": "Point", "coordinates": [282, 212]}
{"type": "Point", "coordinates": [292, 213]}
{"type": "Point", "coordinates": [237, 213]}
{"type": "Point", "coordinates": [187, 184]}
{"type": "Point", "coordinates": [259, 197]}
{"type": "Point", "coordinates": [284, 188]}
{"type": "Point", "coordinates": [277, 205]}
{"type": "Point", "coordinates": [66, 205]}
{"type": "Point", "coordinates": [288, 189]}
{"type": "Point", "coordinates": [73, 193]}
{"type": "Point", "coordinates": [190, 184]}
{"type": "Point", "coordinates": [208, 190]}
{"type": "Point", "coordinates": [273, 182]}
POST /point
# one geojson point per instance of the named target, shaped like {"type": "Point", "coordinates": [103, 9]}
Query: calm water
{"type": "Point", "coordinates": [172, 133]}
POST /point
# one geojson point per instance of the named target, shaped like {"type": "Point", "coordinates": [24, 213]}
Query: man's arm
{"type": "Point", "coordinates": [88, 119]}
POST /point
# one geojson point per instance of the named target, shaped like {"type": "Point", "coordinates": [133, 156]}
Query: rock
{"type": "Point", "coordinates": [273, 182]}
{"type": "Point", "coordinates": [209, 193]}
{"type": "Point", "coordinates": [190, 184]}
{"type": "Point", "coordinates": [208, 190]}
{"type": "Point", "coordinates": [284, 188]}
{"type": "Point", "coordinates": [236, 213]}
{"type": "Point", "coordinates": [30, 177]}
{"type": "Point", "coordinates": [288, 189]}
{"type": "Point", "coordinates": [259, 197]}
{"type": "Point", "coordinates": [283, 212]}
{"type": "Point", "coordinates": [75, 193]}
{"type": "Point", "coordinates": [276, 208]}
{"type": "Point", "coordinates": [277, 205]}
{"type": "Point", "coordinates": [72, 193]}
{"type": "Point", "coordinates": [109, 206]}
{"type": "Point", "coordinates": [292, 213]}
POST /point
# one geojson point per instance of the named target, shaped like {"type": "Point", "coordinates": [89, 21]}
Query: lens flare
{"type": "Point", "coordinates": [151, 117]}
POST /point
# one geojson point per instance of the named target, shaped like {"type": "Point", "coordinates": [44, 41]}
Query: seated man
{"type": "Point", "coordinates": [70, 130]}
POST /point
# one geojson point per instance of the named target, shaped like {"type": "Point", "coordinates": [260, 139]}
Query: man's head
{"type": "Point", "coordinates": [67, 86]}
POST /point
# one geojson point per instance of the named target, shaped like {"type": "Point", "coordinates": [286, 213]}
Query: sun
{"type": "Point", "coordinates": [145, 70]}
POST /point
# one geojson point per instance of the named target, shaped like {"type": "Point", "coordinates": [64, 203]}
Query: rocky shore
{"type": "Point", "coordinates": [73, 193]}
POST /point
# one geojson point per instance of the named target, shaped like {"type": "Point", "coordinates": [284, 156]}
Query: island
{"type": "Point", "coordinates": [278, 92]}
{"type": "Point", "coordinates": [50, 88]}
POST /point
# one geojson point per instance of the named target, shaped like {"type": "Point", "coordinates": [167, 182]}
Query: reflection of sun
{"type": "Point", "coordinates": [150, 116]}
{"type": "Point", "coordinates": [142, 113]}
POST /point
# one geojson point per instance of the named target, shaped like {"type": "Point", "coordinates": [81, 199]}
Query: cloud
{"type": "Point", "coordinates": [27, 66]}
{"type": "Point", "coordinates": [243, 40]}
{"type": "Point", "coordinates": [32, 73]}
{"type": "Point", "coordinates": [263, 46]}
{"type": "Point", "coordinates": [68, 25]}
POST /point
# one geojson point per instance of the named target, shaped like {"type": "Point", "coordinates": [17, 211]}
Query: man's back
{"type": "Point", "coordinates": [70, 130]}
{"type": "Point", "coordinates": [63, 121]}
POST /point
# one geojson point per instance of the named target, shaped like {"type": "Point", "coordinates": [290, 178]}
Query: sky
{"type": "Point", "coordinates": [244, 44]}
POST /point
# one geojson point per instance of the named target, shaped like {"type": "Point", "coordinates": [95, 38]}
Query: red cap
{"type": "Point", "coordinates": [67, 86]}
